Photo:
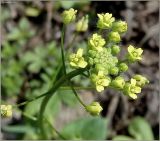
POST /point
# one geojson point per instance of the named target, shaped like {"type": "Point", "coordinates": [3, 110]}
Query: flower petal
{"type": "Point", "coordinates": [99, 88]}
{"type": "Point", "coordinates": [80, 52]}
{"type": "Point", "coordinates": [105, 82]}
{"type": "Point", "coordinates": [140, 51]}
{"type": "Point", "coordinates": [73, 64]}
{"type": "Point", "coordinates": [132, 95]}
{"type": "Point", "coordinates": [82, 64]}
{"type": "Point", "coordinates": [100, 73]}
{"type": "Point", "coordinates": [137, 89]}
{"type": "Point", "coordinates": [130, 48]}
{"type": "Point", "coordinates": [133, 82]}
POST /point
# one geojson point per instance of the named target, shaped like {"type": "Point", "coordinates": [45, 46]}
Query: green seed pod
{"type": "Point", "coordinates": [123, 67]}
{"type": "Point", "coordinates": [115, 49]}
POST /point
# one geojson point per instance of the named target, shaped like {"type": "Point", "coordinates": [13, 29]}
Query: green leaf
{"type": "Point", "coordinates": [86, 128]}
{"type": "Point", "coordinates": [122, 138]}
{"type": "Point", "coordinates": [67, 4]}
{"type": "Point", "coordinates": [140, 129]}
{"type": "Point", "coordinates": [15, 34]}
{"type": "Point", "coordinates": [24, 24]}
{"type": "Point", "coordinates": [53, 108]}
{"type": "Point", "coordinates": [17, 128]}
{"type": "Point", "coordinates": [31, 11]}
{"type": "Point", "coordinates": [68, 97]}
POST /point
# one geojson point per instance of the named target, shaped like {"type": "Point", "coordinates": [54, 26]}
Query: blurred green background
{"type": "Point", "coordinates": [30, 55]}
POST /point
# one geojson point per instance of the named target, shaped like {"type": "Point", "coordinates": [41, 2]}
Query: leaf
{"type": "Point", "coordinates": [86, 128]}
{"type": "Point", "coordinates": [14, 34]}
{"type": "Point", "coordinates": [140, 129]}
{"type": "Point", "coordinates": [67, 4]}
{"type": "Point", "coordinates": [122, 138]}
{"type": "Point", "coordinates": [17, 128]}
{"type": "Point", "coordinates": [53, 108]}
{"type": "Point", "coordinates": [31, 11]}
{"type": "Point", "coordinates": [24, 24]}
{"type": "Point", "coordinates": [67, 97]}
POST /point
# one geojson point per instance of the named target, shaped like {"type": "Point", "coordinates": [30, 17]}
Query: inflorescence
{"type": "Point", "coordinates": [101, 60]}
{"type": "Point", "coordinates": [104, 67]}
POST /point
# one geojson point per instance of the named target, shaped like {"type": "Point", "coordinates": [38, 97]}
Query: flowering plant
{"type": "Point", "coordinates": [100, 61]}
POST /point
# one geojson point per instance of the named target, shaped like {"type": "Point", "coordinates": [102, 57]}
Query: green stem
{"type": "Point", "coordinates": [75, 93]}
{"type": "Point", "coordinates": [62, 48]}
{"type": "Point", "coordinates": [35, 119]}
{"type": "Point", "coordinates": [50, 94]}
{"type": "Point", "coordinates": [76, 88]}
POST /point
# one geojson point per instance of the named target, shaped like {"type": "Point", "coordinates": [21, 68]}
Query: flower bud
{"type": "Point", "coordinates": [69, 16]}
{"type": "Point", "coordinates": [105, 21]}
{"type": "Point", "coordinates": [118, 82]}
{"type": "Point", "coordinates": [114, 71]}
{"type": "Point", "coordinates": [115, 49]}
{"type": "Point", "coordinates": [94, 108]}
{"type": "Point", "coordinates": [82, 24]}
{"type": "Point", "coordinates": [6, 110]}
{"type": "Point", "coordinates": [114, 37]}
{"type": "Point", "coordinates": [123, 67]}
{"type": "Point", "coordinates": [140, 80]}
{"type": "Point", "coordinates": [120, 26]}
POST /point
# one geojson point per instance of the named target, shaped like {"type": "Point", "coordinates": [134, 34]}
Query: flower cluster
{"type": "Point", "coordinates": [6, 110]}
{"type": "Point", "coordinates": [101, 58]}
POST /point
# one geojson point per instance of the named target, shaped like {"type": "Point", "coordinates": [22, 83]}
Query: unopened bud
{"type": "Point", "coordinates": [123, 67]}
{"type": "Point", "coordinates": [115, 49]}
{"type": "Point", "coordinates": [69, 16]}
{"type": "Point", "coordinates": [114, 37]}
{"type": "Point", "coordinates": [120, 26]}
{"type": "Point", "coordinates": [94, 108]}
{"type": "Point", "coordinates": [82, 24]}
{"type": "Point", "coordinates": [118, 82]}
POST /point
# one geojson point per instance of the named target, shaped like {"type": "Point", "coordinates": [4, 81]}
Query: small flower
{"type": "Point", "coordinates": [115, 49]}
{"type": "Point", "coordinates": [82, 24]}
{"type": "Point", "coordinates": [105, 21]}
{"type": "Point", "coordinates": [134, 54]}
{"type": "Point", "coordinates": [6, 110]}
{"type": "Point", "coordinates": [100, 80]}
{"type": "Point", "coordinates": [118, 82]}
{"type": "Point", "coordinates": [97, 42]}
{"type": "Point", "coordinates": [140, 80]}
{"type": "Point", "coordinates": [114, 37]}
{"type": "Point", "coordinates": [131, 89]}
{"type": "Point", "coordinates": [76, 60]}
{"type": "Point", "coordinates": [123, 67]}
{"type": "Point", "coordinates": [94, 108]}
{"type": "Point", "coordinates": [69, 16]}
{"type": "Point", "coordinates": [120, 26]}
